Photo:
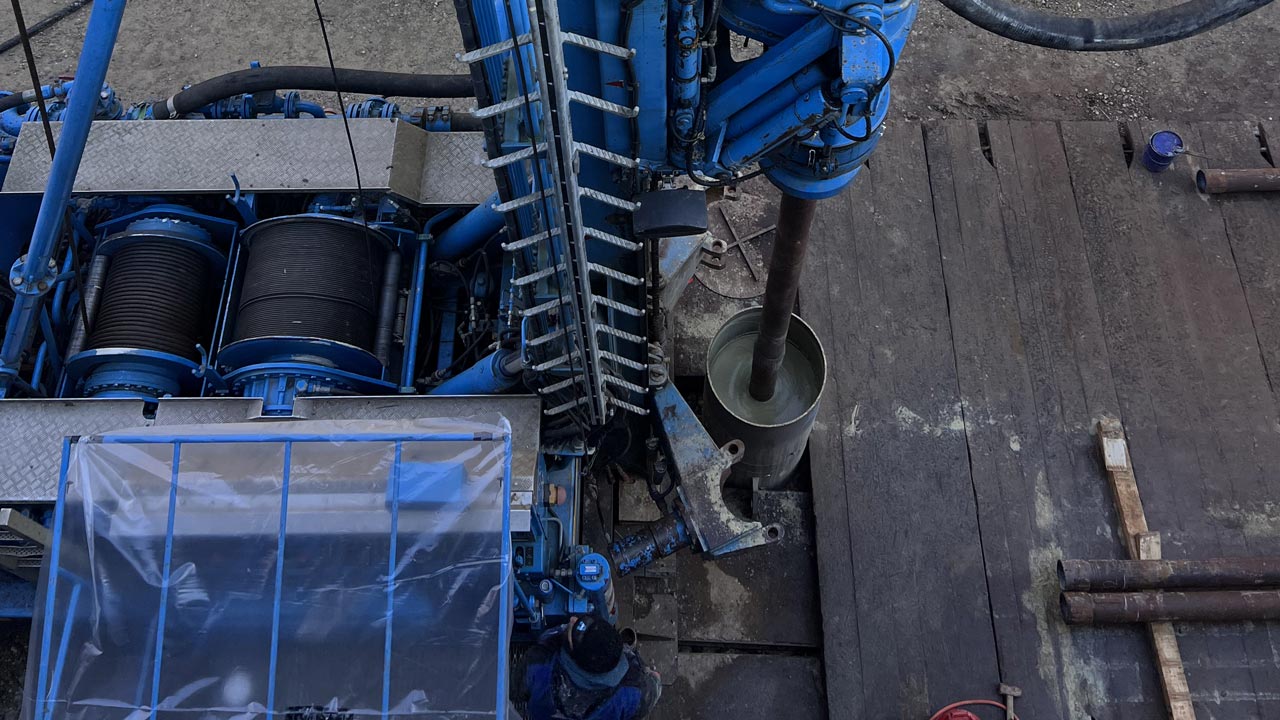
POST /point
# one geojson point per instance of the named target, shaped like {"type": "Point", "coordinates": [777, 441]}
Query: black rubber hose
{"type": "Point", "coordinates": [43, 24]}
{"type": "Point", "coordinates": [464, 122]}
{"type": "Point", "coordinates": [299, 77]}
{"type": "Point", "coordinates": [15, 100]}
{"type": "Point", "coordinates": [1131, 32]}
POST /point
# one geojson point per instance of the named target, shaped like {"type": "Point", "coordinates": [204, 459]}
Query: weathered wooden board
{"type": "Point", "coordinates": [985, 294]}
{"type": "Point", "coordinates": [906, 617]}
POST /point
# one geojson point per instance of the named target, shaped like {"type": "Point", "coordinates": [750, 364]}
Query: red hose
{"type": "Point", "coordinates": [964, 703]}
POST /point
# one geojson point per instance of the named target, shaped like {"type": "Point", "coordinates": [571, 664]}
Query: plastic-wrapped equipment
{"type": "Point", "coordinates": [334, 570]}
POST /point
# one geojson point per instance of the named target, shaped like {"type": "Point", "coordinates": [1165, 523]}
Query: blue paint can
{"type": "Point", "coordinates": [1163, 148]}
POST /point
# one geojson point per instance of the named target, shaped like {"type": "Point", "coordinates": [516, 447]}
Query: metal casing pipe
{"type": "Point", "coordinates": [1165, 606]}
{"type": "Point", "coordinates": [1215, 182]}
{"type": "Point", "coordinates": [774, 433]}
{"type": "Point", "coordinates": [1216, 573]}
{"type": "Point", "coordinates": [795, 219]}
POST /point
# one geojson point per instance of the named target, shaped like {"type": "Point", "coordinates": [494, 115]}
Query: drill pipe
{"type": "Point", "coordinates": [1216, 573]}
{"type": "Point", "coordinates": [795, 218]}
{"type": "Point", "coordinates": [1161, 606]}
{"type": "Point", "coordinates": [1215, 182]}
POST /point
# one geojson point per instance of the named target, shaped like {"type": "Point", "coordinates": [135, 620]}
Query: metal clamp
{"type": "Point", "coordinates": [702, 467]}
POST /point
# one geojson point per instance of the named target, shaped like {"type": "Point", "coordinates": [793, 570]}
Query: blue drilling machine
{"type": "Point", "coordinates": [301, 407]}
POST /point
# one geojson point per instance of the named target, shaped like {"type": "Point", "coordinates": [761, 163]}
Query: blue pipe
{"type": "Point", "coordinates": [417, 293]}
{"type": "Point", "coordinates": [686, 65]}
{"type": "Point", "coordinates": [775, 101]}
{"type": "Point", "coordinates": [50, 340]}
{"type": "Point", "coordinates": [311, 109]}
{"type": "Point", "coordinates": [798, 51]}
{"type": "Point", "coordinates": [11, 121]}
{"type": "Point", "coordinates": [409, 365]}
{"type": "Point", "coordinates": [60, 295]}
{"type": "Point", "coordinates": [469, 233]}
{"type": "Point", "coordinates": [48, 91]}
{"type": "Point", "coordinates": [95, 57]}
{"type": "Point", "coordinates": [493, 373]}
{"type": "Point", "coordinates": [806, 110]}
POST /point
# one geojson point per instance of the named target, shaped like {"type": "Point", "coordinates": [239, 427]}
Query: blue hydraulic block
{"type": "Point", "coordinates": [493, 373]}
{"type": "Point", "coordinates": [470, 232]}
{"type": "Point", "coordinates": [33, 275]}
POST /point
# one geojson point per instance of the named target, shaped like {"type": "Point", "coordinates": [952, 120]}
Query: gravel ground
{"type": "Point", "coordinates": [951, 70]}
{"type": "Point", "coordinates": [13, 664]}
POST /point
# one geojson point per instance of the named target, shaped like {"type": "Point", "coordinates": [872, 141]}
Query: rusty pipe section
{"type": "Point", "coordinates": [795, 219]}
{"type": "Point", "coordinates": [1216, 573]}
{"type": "Point", "coordinates": [1080, 608]}
{"type": "Point", "coordinates": [1216, 182]}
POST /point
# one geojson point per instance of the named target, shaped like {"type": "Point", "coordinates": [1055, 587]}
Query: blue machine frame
{"type": "Point", "coordinates": [585, 111]}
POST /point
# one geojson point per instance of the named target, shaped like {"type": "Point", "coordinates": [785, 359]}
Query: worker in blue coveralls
{"type": "Point", "coordinates": [583, 671]}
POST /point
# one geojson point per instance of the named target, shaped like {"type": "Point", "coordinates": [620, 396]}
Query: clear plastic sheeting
{"type": "Point", "coordinates": [294, 570]}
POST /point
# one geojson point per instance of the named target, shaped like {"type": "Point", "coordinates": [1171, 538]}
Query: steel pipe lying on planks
{"type": "Point", "coordinates": [1215, 573]}
{"type": "Point", "coordinates": [1216, 182]}
{"type": "Point", "coordinates": [1080, 608]}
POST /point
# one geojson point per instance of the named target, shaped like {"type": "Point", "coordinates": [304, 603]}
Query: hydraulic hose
{"type": "Point", "coordinates": [1131, 32]}
{"type": "Point", "coordinates": [16, 100]}
{"type": "Point", "coordinates": [299, 77]}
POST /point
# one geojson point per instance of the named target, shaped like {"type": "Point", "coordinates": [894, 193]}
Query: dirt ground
{"type": "Point", "coordinates": [950, 70]}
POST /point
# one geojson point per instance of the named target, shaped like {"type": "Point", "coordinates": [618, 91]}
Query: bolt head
{"type": "Point", "coordinates": [16, 281]}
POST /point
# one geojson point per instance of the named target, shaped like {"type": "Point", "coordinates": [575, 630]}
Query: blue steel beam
{"type": "Point", "coordinates": [32, 279]}
{"type": "Point", "coordinates": [766, 72]}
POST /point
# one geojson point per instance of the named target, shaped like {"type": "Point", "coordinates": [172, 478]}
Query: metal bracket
{"type": "Point", "coordinates": [240, 201]}
{"type": "Point", "coordinates": [702, 467]}
{"type": "Point", "coordinates": [23, 542]}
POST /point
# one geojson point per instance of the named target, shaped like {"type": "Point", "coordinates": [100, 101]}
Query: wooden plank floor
{"type": "Point", "coordinates": [985, 293]}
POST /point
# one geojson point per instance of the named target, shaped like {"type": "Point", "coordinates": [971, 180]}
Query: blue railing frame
{"type": "Point", "coordinates": [46, 685]}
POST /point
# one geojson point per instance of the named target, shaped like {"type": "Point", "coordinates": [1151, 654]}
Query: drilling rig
{"type": "Point", "coordinates": [287, 391]}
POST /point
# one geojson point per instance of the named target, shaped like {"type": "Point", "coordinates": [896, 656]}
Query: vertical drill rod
{"type": "Point", "coordinates": [795, 218]}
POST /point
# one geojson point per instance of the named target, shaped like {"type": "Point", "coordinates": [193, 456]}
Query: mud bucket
{"type": "Point", "coordinates": [774, 432]}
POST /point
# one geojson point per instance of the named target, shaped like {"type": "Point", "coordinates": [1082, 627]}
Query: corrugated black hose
{"type": "Point", "coordinates": [1061, 32]}
{"type": "Point", "coordinates": [299, 77]}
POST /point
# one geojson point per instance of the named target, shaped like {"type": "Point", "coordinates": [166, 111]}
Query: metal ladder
{"type": "Point", "coordinates": [580, 352]}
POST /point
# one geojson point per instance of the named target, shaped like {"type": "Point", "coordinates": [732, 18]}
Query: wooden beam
{"type": "Point", "coordinates": [1143, 544]}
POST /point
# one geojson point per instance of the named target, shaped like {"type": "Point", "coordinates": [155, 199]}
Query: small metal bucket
{"type": "Point", "coordinates": [1162, 149]}
{"type": "Point", "coordinates": [774, 441]}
